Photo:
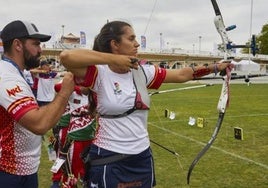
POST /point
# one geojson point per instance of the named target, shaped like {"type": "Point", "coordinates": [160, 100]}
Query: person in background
{"type": "Point", "coordinates": [28, 77]}
{"type": "Point", "coordinates": [73, 134]}
{"type": "Point", "coordinates": [35, 85]}
{"type": "Point", "coordinates": [46, 80]}
{"type": "Point", "coordinates": [120, 153]}
{"type": "Point", "coordinates": [31, 79]}
{"type": "Point", "coordinates": [22, 121]}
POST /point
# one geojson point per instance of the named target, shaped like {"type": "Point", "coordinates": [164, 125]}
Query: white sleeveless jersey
{"type": "Point", "coordinates": [20, 149]}
{"type": "Point", "coordinates": [115, 95]}
{"type": "Point", "coordinates": [45, 88]}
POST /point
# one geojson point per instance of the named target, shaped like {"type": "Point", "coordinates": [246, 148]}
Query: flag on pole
{"type": "Point", "coordinates": [143, 42]}
{"type": "Point", "coordinates": [83, 38]}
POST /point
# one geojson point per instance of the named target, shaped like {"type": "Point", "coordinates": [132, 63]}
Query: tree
{"type": "Point", "coordinates": [261, 41]}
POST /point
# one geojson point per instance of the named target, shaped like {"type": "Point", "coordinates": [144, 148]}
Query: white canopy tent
{"type": "Point", "coordinates": [247, 65]}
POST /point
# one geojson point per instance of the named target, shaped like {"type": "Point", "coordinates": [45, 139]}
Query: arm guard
{"type": "Point", "coordinates": [201, 72]}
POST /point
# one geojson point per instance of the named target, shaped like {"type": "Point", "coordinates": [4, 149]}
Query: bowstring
{"type": "Point", "coordinates": [162, 125]}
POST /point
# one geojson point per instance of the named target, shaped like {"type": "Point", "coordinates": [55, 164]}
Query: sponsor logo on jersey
{"type": "Point", "coordinates": [13, 91]}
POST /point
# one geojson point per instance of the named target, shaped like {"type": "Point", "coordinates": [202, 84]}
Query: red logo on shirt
{"type": "Point", "coordinates": [13, 91]}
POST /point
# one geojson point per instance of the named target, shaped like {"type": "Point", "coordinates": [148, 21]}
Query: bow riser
{"type": "Point", "coordinates": [219, 24]}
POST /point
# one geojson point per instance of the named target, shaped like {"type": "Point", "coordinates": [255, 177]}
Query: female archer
{"type": "Point", "coordinates": [120, 153]}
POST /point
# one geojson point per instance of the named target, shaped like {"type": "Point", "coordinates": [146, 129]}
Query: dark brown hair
{"type": "Point", "coordinates": [110, 31]}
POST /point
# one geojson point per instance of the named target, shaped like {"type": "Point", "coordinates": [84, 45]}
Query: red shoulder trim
{"type": "Point", "coordinates": [159, 77]}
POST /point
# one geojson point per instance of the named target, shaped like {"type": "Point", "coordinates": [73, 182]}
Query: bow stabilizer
{"type": "Point", "coordinates": [233, 77]}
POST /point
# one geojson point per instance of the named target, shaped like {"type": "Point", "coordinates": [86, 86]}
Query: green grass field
{"type": "Point", "coordinates": [229, 163]}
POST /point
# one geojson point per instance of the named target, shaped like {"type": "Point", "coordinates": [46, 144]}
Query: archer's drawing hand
{"type": "Point", "coordinates": [123, 64]}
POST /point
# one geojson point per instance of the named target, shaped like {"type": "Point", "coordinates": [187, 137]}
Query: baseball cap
{"type": "Point", "coordinates": [22, 29]}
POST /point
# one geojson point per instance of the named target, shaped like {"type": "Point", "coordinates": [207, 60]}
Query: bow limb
{"type": "Point", "coordinates": [224, 97]}
{"type": "Point", "coordinates": [204, 150]}
{"type": "Point", "coordinates": [222, 104]}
